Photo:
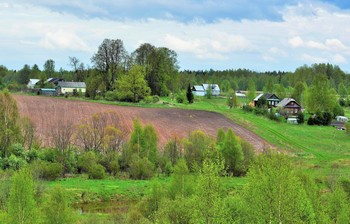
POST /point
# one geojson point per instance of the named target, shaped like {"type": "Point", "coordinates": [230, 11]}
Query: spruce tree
{"type": "Point", "coordinates": [189, 94]}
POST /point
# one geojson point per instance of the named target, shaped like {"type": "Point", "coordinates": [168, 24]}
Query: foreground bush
{"type": "Point", "coordinates": [96, 171]}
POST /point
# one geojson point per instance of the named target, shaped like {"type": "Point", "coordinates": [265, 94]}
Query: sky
{"type": "Point", "coordinates": [260, 35]}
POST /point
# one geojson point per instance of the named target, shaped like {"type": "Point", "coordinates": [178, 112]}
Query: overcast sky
{"type": "Point", "coordinates": [261, 35]}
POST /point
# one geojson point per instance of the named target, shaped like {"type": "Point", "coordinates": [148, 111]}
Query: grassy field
{"type": "Point", "coordinates": [321, 150]}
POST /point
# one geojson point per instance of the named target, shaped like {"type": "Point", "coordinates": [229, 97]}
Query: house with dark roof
{"type": "Point", "coordinates": [271, 99]}
{"type": "Point", "coordinates": [71, 87]}
{"type": "Point", "coordinates": [290, 106]}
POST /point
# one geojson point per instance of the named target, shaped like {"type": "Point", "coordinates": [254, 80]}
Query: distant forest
{"type": "Point", "coordinates": [161, 72]}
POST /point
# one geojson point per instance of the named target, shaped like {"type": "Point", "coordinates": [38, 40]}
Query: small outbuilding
{"type": "Point", "coordinates": [342, 119]}
{"type": "Point", "coordinates": [71, 87]}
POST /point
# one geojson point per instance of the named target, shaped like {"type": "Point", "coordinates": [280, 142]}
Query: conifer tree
{"type": "Point", "coordinates": [189, 94]}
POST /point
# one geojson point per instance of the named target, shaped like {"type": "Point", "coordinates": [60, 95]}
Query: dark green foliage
{"type": "Point", "coordinates": [172, 151]}
{"type": "Point", "coordinates": [301, 118]}
{"type": "Point", "coordinates": [248, 108]}
{"type": "Point", "coordinates": [189, 94]}
{"type": "Point", "coordinates": [110, 162]}
{"type": "Point", "coordinates": [324, 118]}
{"type": "Point", "coordinates": [46, 170]}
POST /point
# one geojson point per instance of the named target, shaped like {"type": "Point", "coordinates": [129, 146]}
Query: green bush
{"type": "Point", "coordinates": [180, 98]}
{"type": "Point", "coordinates": [96, 171]}
{"type": "Point", "coordinates": [86, 160]}
{"type": "Point", "coordinates": [141, 169]}
{"type": "Point", "coordinates": [110, 96]}
{"type": "Point", "coordinates": [301, 118]}
{"type": "Point", "coordinates": [15, 163]}
{"type": "Point", "coordinates": [156, 99]}
{"type": "Point", "coordinates": [148, 99]}
{"type": "Point", "coordinates": [46, 170]}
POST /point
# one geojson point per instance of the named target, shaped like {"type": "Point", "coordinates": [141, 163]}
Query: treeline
{"type": "Point", "coordinates": [115, 74]}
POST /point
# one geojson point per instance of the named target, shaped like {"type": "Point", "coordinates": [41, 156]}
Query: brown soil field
{"type": "Point", "coordinates": [48, 112]}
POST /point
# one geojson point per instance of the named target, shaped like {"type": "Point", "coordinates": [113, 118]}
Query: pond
{"type": "Point", "coordinates": [106, 207]}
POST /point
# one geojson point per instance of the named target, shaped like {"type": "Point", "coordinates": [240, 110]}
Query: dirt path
{"type": "Point", "coordinates": [47, 112]}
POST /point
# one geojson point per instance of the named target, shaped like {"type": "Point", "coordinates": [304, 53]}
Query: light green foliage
{"type": "Point", "coordinates": [181, 184]}
{"type": "Point", "coordinates": [232, 153]}
{"type": "Point", "coordinates": [141, 168]}
{"type": "Point", "coordinates": [171, 151]}
{"type": "Point", "coordinates": [220, 137]}
{"type": "Point", "coordinates": [232, 100]}
{"type": "Point", "coordinates": [196, 147]}
{"type": "Point", "coordinates": [87, 160]}
{"type": "Point", "coordinates": [248, 154]}
{"type": "Point", "coordinates": [209, 198]}
{"type": "Point", "coordinates": [251, 94]}
{"type": "Point", "coordinates": [319, 96]}
{"type": "Point", "coordinates": [225, 86]}
{"type": "Point", "coordinates": [132, 86]}
{"type": "Point", "coordinates": [280, 91]}
{"type": "Point", "coordinates": [338, 205]}
{"type": "Point", "coordinates": [21, 205]}
{"type": "Point", "coordinates": [149, 143]}
{"type": "Point", "coordinates": [342, 91]}
{"type": "Point", "coordinates": [298, 91]}
{"type": "Point", "coordinates": [274, 193]}
{"type": "Point", "coordinates": [9, 129]}
{"type": "Point", "coordinates": [57, 208]}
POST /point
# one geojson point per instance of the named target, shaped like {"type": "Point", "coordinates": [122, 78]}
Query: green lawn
{"type": "Point", "coordinates": [320, 150]}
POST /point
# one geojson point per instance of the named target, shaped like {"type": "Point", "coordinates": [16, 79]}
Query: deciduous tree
{"type": "Point", "coordinates": [21, 205]}
{"type": "Point", "coordinates": [133, 86]}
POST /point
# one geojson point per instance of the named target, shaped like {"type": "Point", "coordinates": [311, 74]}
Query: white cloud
{"type": "Point", "coordinates": [339, 59]}
{"type": "Point", "coordinates": [296, 41]}
{"type": "Point", "coordinates": [61, 40]}
{"type": "Point", "coordinates": [310, 32]}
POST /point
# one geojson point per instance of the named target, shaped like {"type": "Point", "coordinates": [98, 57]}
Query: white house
{"type": "Point", "coordinates": [71, 87]}
{"type": "Point", "coordinates": [32, 82]}
{"type": "Point", "coordinates": [215, 90]}
{"type": "Point", "coordinates": [198, 90]}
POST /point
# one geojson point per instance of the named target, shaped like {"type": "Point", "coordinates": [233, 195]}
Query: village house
{"type": "Point", "coordinates": [290, 106]}
{"type": "Point", "coordinates": [32, 82]}
{"type": "Point", "coordinates": [71, 87]}
{"type": "Point", "coordinates": [198, 91]}
{"type": "Point", "coordinates": [203, 89]}
{"type": "Point", "coordinates": [271, 99]}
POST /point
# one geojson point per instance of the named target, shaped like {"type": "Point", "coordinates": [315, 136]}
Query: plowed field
{"type": "Point", "coordinates": [48, 112]}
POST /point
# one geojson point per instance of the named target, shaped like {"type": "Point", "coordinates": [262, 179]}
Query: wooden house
{"type": "Point", "coordinates": [271, 99]}
{"type": "Point", "coordinates": [71, 87]}
{"type": "Point", "coordinates": [290, 106]}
